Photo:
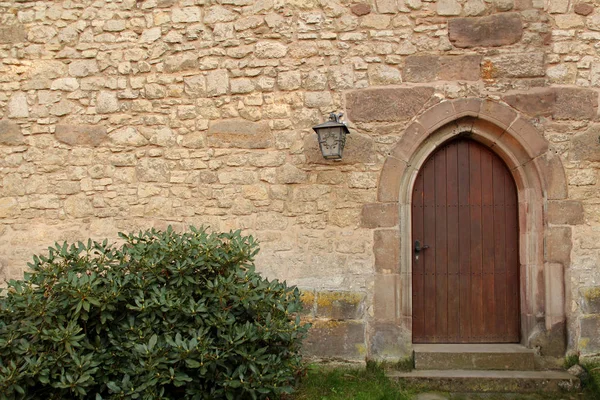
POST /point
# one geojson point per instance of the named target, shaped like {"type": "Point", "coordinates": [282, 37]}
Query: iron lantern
{"type": "Point", "coordinates": [332, 136]}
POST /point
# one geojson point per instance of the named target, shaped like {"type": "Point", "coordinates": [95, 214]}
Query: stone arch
{"type": "Point", "coordinates": [539, 176]}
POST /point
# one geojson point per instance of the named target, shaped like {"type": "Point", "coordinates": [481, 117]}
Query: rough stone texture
{"type": "Point", "coordinates": [360, 9]}
{"type": "Point", "coordinates": [333, 339]}
{"type": "Point", "coordinates": [557, 245]}
{"type": "Point", "coordinates": [240, 134]}
{"type": "Point", "coordinates": [560, 103]}
{"type": "Point", "coordinates": [589, 342]}
{"type": "Point", "coordinates": [12, 33]}
{"type": "Point", "coordinates": [584, 9]}
{"type": "Point", "coordinates": [568, 212]}
{"type": "Point", "coordinates": [386, 104]}
{"type": "Point", "coordinates": [80, 135]}
{"type": "Point", "coordinates": [495, 30]}
{"type": "Point", "coordinates": [447, 68]}
{"type": "Point", "coordinates": [590, 299]}
{"type": "Point", "coordinates": [584, 146]}
{"type": "Point", "coordinates": [10, 133]}
{"type": "Point", "coordinates": [387, 250]}
{"type": "Point", "coordinates": [379, 215]}
{"type": "Point", "coordinates": [529, 65]}
{"type": "Point", "coordinates": [340, 305]}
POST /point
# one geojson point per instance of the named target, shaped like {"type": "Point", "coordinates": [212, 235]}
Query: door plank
{"type": "Point", "coordinates": [440, 247]}
{"type": "Point", "coordinates": [464, 247]}
{"type": "Point", "coordinates": [476, 243]}
{"type": "Point", "coordinates": [453, 242]}
{"type": "Point", "coordinates": [418, 275]}
{"type": "Point", "coordinates": [487, 239]}
{"type": "Point", "coordinates": [428, 255]}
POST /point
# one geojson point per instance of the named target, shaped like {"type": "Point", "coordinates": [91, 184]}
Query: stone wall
{"type": "Point", "coordinates": [123, 115]}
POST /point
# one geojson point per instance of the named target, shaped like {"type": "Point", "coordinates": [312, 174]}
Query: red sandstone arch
{"type": "Point", "coordinates": [539, 176]}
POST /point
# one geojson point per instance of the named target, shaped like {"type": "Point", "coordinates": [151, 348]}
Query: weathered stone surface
{"type": "Point", "coordinates": [9, 207]}
{"type": "Point", "coordinates": [66, 84]}
{"type": "Point", "coordinates": [12, 33]}
{"type": "Point", "coordinates": [448, 7]}
{"type": "Point", "coordinates": [128, 136]}
{"type": "Point", "coordinates": [584, 146]}
{"type": "Point", "coordinates": [360, 9]}
{"type": "Point", "coordinates": [106, 102]}
{"type": "Point", "coordinates": [387, 250]}
{"type": "Point", "coordinates": [567, 212]}
{"type": "Point", "coordinates": [384, 105]}
{"type": "Point", "coordinates": [10, 133]}
{"type": "Point", "coordinates": [151, 35]}
{"type": "Point", "coordinates": [492, 31]}
{"type": "Point", "coordinates": [575, 103]}
{"type": "Point", "coordinates": [359, 149]}
{"type": "Point", "coordinates": [589, 342]}
{"type": "Point", "coordinates": [80, 135]}
{"type": "Point", "coordinates": [561, 103]}
{"type": "Point", "coordinates": [520, 65]}
{"type": "Point", "coordinates": [447, 68]}
{"type": "Point", "coordinates": [535, 102]}
{"type": "Point", "coordinates": [17, 106]}
{"type": "Point", "coordinates": [78, 206]}
{"type": "Point", "coordinates": [336, 339]}
{"type": "Point", "coordinates": [384, 75]}
{"type": "Point", "coordinates": [217, 82]}
{"type": "Point", "coordinates": [390, 342]}
{"type": "Point", "coordinates": [590, 299]}
{"type": "Point", "coordinates": [270, 50]}
{"type": "Point", "coordinates": [195, 86]}
{"type": "Point", "coordinates": [83, 68]}
{"type": "Point", "coordinates": [584, 9]}
{"type": "Point", "coordinates": [379, 215]}
{"type": "Point", "coordinates": [239, 133]}
{"type": "Point", "coordinates": [340, 305]}
{"type": "Point", "coordinates": [557, 245]}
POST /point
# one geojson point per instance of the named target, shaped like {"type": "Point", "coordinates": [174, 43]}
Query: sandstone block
{"type": "Point", "coordinates": [195, 86]}
{"type": "Point", "coordinates": [590, 299]}
{"type": "Point", "coordinates": [107, 102]}
{"type": "Point", "coordinates": [385, 105]}
{"type": "Point", "coordinates": [10, 133]}
{"type": "Point", "coordinates": [535, 102]}
{"type": "Point", "coordinates": [557, 245]}
{"type": "Point", "coordinates": [566, 212]}
{"type": "Point", "coordinates": [569, 21]}
{"type": "Point", "coordinates": [359, 149]}
{"type": "Point", "coordinates": [362, 180]}
{"type": "Point", "coordinates": [270, 50]}
{"type": "Point", "coordinates": [384, 75]}
{"type": "Point", "coordinates": [9, 207]}
{"type": "Point", "coordinates": [344, 217]}
{"type": "Point", "coordinates": [128, 136]}
{"type": "Point", "coordinates": [78, 206]}
{"type": "Point", "coordinates": [340, 305]}
{"type": "Point", "coordinates": [186, 14]}
{"type": "Point", "coordinates": [520, 65]}
{"type": "Point", "coordinates": [288, 173]}
{"type": "Point", "coordinates": [589, 341]}
{"type": "Point", "coordinates": [41, 33]}
{"type": "Point", "coordinates": [448, 7]}
{"type": "Point", "coordinates": [290, 80]}
{"type": "Point", "coordinates": [584, 147]}
{"type": "Point", "coordinates": [239, 133]}
{"type": "Point", "coordinates": [390, 341]}
{"type": "Point", "coordinates": [428, 68]}
{"type": "Point", "coordinates": [386, 248]}
{"type": "Point", "coordinates": [474, 8]}
{"type": "Point", "coordinates": [152, 170]}
{"type": "Point", "coordinates": [385, 298]}
{"type": "Point", "coordinates": [115, 25]}
{"type": "Point", "coordinates": [387, 6]}
{"type": "Point", "coordinates": [562, 73]}
{"type": "Point", "coordinates": [82, 68]}
{"type": "Point", "coordinates": [155, 91]}
{"type": "Point", "coordinates": [558, 6]}
{"type": "Point", "coordinates": [584, 9]}
{"type": "Point", "coordinates": [181, 62]}
{"type": "Point", "coordinates": [360, 9]}
{"type": "Point", "coordinates": [66, 84]}
{"type": "Point", "coordinates": [317, 99]}
{"type": "Point", "coordinates": [491, 31]}
{"type": "Point", "coordinates": [375, 21]}
{"type": "Point", "coordinates": [575, 103]}
{"type": "Point", "coordinates": [12, 34]}
{"type": "Point", "coordinates": [17, 106]}
{"type": "Point", "coordinates": [80, 135]}
{"type": "Point", "coordinates": [217, 82]}
{"type": "Point", "coordinates": [336, 339]}
{"type": "Point", "coordinates": [379, 215]}
{"type": "Point", "coordinates": [150, 35]}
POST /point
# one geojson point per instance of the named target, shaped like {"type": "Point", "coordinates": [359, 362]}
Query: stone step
{"type": "Point", "coordinates": [487, 381]}
{"type": "Point", "coordinates": [473, 357]}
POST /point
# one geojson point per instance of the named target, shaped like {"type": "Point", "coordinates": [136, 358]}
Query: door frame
{"type": "Point", "coordinates": [539, 176]}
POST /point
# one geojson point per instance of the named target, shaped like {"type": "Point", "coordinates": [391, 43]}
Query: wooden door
{"type": "Point", "coordinates": [466, 282]}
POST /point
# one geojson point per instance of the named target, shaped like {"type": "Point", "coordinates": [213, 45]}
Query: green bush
{"type": "Point", "coordinates": [165, 316]}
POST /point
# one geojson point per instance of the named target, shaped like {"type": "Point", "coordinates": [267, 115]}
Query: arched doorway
{"type": "Point", "coordinates": [465, 265]}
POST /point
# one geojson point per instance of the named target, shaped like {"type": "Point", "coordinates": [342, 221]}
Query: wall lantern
{"type": "Point", "coordinates": [332, 136]}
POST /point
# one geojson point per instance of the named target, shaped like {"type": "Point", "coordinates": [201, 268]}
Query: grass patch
{"type": "Point", "coordinates": [322, 383]}
{"type": "Point", "coordinates": [592, 384]}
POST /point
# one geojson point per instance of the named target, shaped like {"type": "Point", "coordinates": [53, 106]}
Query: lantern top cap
{"type": "Point", "coordinates": [334, 122]}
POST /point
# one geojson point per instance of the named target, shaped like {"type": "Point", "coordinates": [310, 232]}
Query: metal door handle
{"type": "Point", "coordinates": [420, 247]}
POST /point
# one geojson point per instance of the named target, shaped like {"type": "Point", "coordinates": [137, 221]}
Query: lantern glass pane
{"type": "Point", "coordinates": [332, 142]}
